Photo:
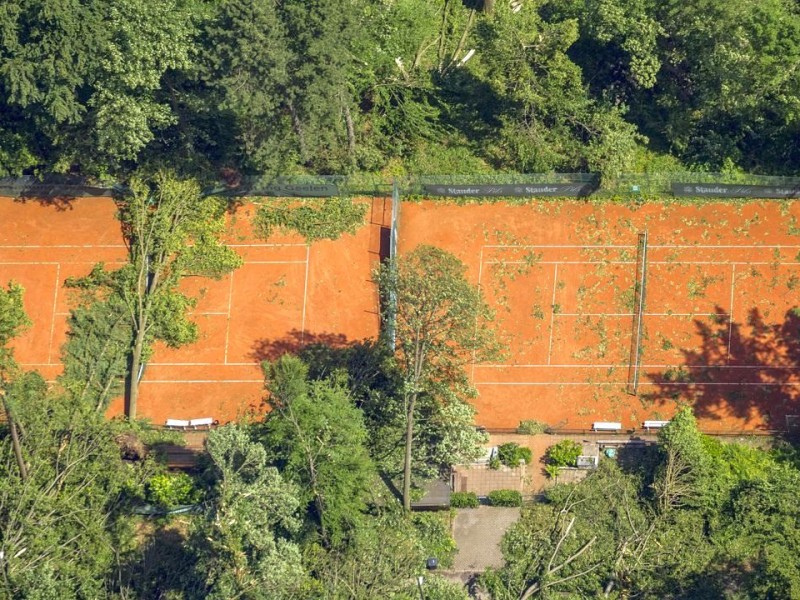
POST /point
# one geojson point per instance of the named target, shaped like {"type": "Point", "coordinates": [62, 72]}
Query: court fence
{"type": "Point", "coordinates": [639, 187]}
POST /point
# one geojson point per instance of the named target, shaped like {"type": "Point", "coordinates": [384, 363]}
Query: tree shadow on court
{"type": "Point", "coordinates": [749, 371]}
{"type": "Point", "coordinates": [294, 342]}
{"type": "Point", "coordinates": [60, 203]}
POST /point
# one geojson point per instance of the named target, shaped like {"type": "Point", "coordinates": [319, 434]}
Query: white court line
{"type": "Point", "coordinates": [552, 314]}
{"type": "Point", "coordinates": [667, 314]}
{"type": "Point", "coordinates": [650, 383]}
{"type": "Point", "coordinates": [228, 324]}
{"type": "Point", "coordinates": [264, 245]}
{"type": "Point", "coordinates": [203, 364]}
{"type": "Point", "coordinates": [712, 246]}
{"type": "Point", "coordinates": [305, 297]}
{"type": "Point", "coordinates": [53, 318]}
{"type": "Point", "coordinates": [555, 246]}
{"type": "Point", "coordinates": [274, 262]}
{"type": "Point", "coordinates": [625, 366]}
{"type": "Point", "coordinates": [676, 263]}
{"type": "Point", "coordinates": [145, 381]}
{"type": "Point", "coordinates": [59, 262]}
{"type": "Point", "coordinates": [88, 246]}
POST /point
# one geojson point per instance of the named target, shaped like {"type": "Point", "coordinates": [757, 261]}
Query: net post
{"type": "Point", "coordinates": [640, 289]}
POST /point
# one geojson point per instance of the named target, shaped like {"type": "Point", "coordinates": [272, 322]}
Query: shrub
{"type": "Point", "coordinates": [464, 500]}
{"type": "Point", "coordinates": [564, 454]}
{"type": "Point", "coordinates": [172, 489]}
{"type": "Point", "coordinates": [511, 453]}
{"type": "Point", "coordinates": [532, 427]}
{"type": "Point", "coordinates": [494, 463]}
{"type": "Point", "coordinates": [433, 531]}
{"type": "Point", "coordinates": [505, 498]}
{"type": "Point", "coordinates": [552, 471]}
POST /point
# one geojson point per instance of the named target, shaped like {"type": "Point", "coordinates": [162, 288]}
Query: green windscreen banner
{"type": "Point", "coordinates": [730, 190]}
{"type": "Point", "coordinates": [283, 190]}
{"type": "Point", "coordinates": [511, 189]}
{"type": "Point", "coordinates": [52, 186]}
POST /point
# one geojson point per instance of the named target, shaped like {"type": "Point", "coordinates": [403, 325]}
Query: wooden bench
{"type": "Point", "coordinates": [606, 426]}
{"type": "Point", "coordinates": [177, 424]}
{"type": "Point", "coordinates": [655, 424]}
{"type": "Point", "coordinates": [206, 422]}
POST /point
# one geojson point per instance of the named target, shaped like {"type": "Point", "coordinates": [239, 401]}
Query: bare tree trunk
{"type": "Point", "coordinates": [12, 425]}
{"type": "Point", "coordinates": [443, 34]}
{"type": "Point", "coordinates": [132, 393]}
{"type": "Point", "coordinates": [462, 41]}
{"type": "Point", "coordinates": [407, 460]}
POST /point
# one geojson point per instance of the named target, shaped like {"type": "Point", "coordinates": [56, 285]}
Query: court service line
{"type": "Point", "coordinates": [86, 246]}
{"type": "Point", "coordinates": [203, 364]}
{"type": "Point", "coordinates": [633, 246]}
{"type": "Point", "coordinates": [625, 366]}
{"type": "Point", "coordinates": [647, 314]}
{"type": "Point", "coordinates": [648, 383]}
{"type": "Point", "coordinates": [53, 317]}
{"type": "Point", "coordinates": [305, 297]}
{"type": "Point", "coordinates": [150, 382]}
{"type": "Point", "coordinates": [730, 314]}
{"type": "Point", "coordinates": [552, 315]}
{"type": "Point", "coordinates": [675, 263]}
{"type": "Point", "coordinates": [228, 323]}
{"type": "Point", "coordinates": [274, 262]}
{"type": "Point", "coordinates": [265, 245]}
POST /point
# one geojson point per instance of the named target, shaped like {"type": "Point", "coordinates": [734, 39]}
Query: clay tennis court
{"type": "Point", "coordinates": [719, 328]}
{"type": "Point", "coordinates": [286, 294]}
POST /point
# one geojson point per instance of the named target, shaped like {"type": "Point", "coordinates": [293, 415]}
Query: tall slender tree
{"type": "Point", "coordinates": [440, 322]}
{"type": "Point", "coordinates": [13, 321]}
{"type": "Point", "coordinates": [172, 232]}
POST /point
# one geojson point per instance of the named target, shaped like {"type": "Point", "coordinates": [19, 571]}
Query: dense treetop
{"type": "Point", "coordinates": [421, 86]}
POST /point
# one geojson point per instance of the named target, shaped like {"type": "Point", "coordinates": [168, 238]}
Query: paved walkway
{"type": "Point", "coordinates": [478, 532]}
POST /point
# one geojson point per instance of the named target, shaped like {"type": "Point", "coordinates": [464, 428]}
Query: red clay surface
{"type": "Point", "coordinates": [285, 295]}
{"type": "Point", "coordinates": [720, 330]}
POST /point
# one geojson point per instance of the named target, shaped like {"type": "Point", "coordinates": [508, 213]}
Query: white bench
{"type": "Point", "coordinates": [606, 426]}
{"type": "Point", "coordinates": [204, 422]}
{"type": "Point", "coordinates": [655, 424]}
{"type": "Point", "coordinates": [177, 424]}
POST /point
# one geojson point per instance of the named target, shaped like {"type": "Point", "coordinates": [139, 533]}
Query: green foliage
{"type": "Point", "coordinates": [172, 489]}
{"type": "Point", "coordinates": [172, 232]}
{"type": "Point", "coordinates": [243, 545]}
{"type": "Point", "coordinates": [433, 531]}
{"type": "Point", "coordinates": [552, 471]}
{"type": "Point", "coordinates": [531, 427]}
{"type": "Point", "coordinates": [86, 79]}
{"type": "Point", "coordinates": [13, 321]}
{"type": "Point", "coordinates": [441, 324]}
{"type": "Point", "coordinates": [511, 454]}
{"type": "Point", "coordinates": [318, 438]}
{"type": "Point", "coordinates": [464, 500]}
{"type": "Point", "coordinates": [61, 522]}
{"type": "Point", "coordinates": [505, 498]}
{"type": "Point", "coordinates": [494, 463]}
{"type": "Point", "coordinates": [564, 454]}
{"type": "Point", "coordinates": [388, 544]}
{"type": "Point", "coordinates": [438, 588]}
{"type": "Point", "coordinates": [95, 355]}
{"type": "Point", "coordinates": [315, 220]}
